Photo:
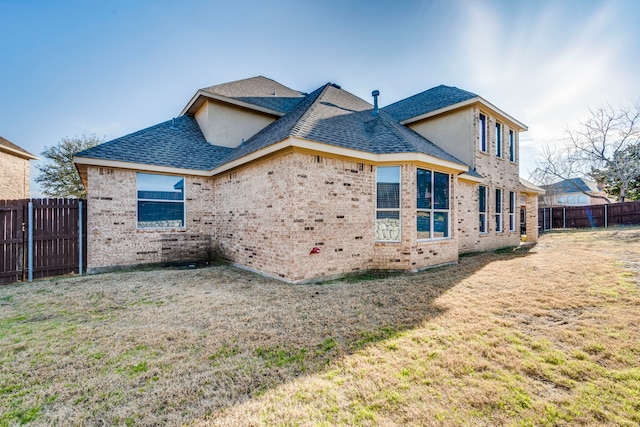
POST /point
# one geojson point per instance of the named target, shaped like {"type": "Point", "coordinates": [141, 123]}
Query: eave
{"type": "Point", "coordinates": [20, 153]}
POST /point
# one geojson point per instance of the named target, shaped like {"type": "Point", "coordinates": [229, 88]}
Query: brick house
{"type": "Point", "coordinates": [307, 186]}
{"type": "Point", "coordinates": [14, 171]}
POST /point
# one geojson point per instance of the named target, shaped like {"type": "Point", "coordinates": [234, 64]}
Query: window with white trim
{"type": "Point", "coordinates": [388, 203]}
{"type": "Point", "coordinates": [498, 210]}
{"type": "Point", "coordinates": [512, 145]}
{"type": "Point", "coordinates": [498, 139]}
{"type": "Point", "coordinates": [482, 124]}
{"type": "Point", "coordinates": [432, 202]}
{"type": "Point", "coordinates": [160, 201]}
{"type": "Point", "coordinates": [482, 208]}
{"type": "Point", "coordinates": [512, 211]}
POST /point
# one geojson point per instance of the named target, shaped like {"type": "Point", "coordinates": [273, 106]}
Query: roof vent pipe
{"type": "Point", "coordinates": [375, 94]}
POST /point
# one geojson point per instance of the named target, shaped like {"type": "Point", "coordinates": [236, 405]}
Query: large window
{"type": "Point", "coordinates": [432, 204]}
{"type": "Point", "coordinates": [160, 201]}
{"type": "Point", "coordinates": [498, 210]}
{"type": "Point", "coordinates": [388, 203]}
{"type": "Point", "coordinates": [482, 208]}
{"type": "Point", "coordinates": [512, 211]}
{"type": "Point", "coordinates": [482, 124]}
{"type": "Point", "coordinates": [498, 139]}
{"type": "Point", "coordinates": [512, 146]}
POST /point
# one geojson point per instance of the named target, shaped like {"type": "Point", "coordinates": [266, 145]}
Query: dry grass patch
{"type": "Point", "coordinates": [544, 337]}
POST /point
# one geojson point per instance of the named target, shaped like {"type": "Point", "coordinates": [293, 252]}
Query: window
{"type": "Point", "coordinates": [512, 146]}
{"type": "Point", "coordinates": [582, 199]}
{"type": "Point", "coordinates": [498, 139]}
{"type": "Point", "coordinates": [483, 132]}
{"type": "Point", "coordinates": [432, 201]}
{"type": "Point", "coordinates": [482, 208]}
{"type": "Point", "coordinates": [388, 203]}
{"type": "Point", "coordinates": [160, 201]}
{"type": "Point", "coordinates": [498, 210]}
{"type": "Point", "coordinates": [512, 211]}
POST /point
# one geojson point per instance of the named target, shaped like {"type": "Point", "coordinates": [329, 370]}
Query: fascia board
{"type": "Point", "coordinates": [88, 161]}
{"type": "Point", "coordinates": [23, 154]}
{"type": "Point", "coordinates": [195, 101]}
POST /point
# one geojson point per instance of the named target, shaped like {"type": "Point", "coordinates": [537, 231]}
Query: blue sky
{"type": "Point", "coordinates": [114, 67]}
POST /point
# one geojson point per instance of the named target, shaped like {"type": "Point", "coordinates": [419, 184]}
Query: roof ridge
{"type": "Point", "coordinates": [297, 126]}
{"type": "Point", "coordinates": [473, 95]}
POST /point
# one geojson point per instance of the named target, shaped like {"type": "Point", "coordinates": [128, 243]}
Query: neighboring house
{"type": "Point", "coordinates": [572, 192]}
{"type": "Point", "coordinates": [307, 186]}
{"type": "Point", "coordinates": [14, 171]}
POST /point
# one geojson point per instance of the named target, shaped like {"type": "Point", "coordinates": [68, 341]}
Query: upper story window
{"type": "Point", "coordinates": [498, 139]}
{"type": "Point", "coordinates": [482, 208]}
{"type": "Point", "coordinates": [160, 201]}
{"type": "Point", "coordinates": [388, 203]}
{"type": "Point", "coordinates": [482, 124]}
{"type": "Point", "coordinates": [512, 145]}
{"type": "Point", "coordinates": [432, 202]}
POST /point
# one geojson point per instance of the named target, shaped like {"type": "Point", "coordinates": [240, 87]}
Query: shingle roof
{"type": "Point", "coordinates": [427, 101]}
{"type": "Point", "coordinates": [14, 148]}
{"type": "Point", "coordinates": [334, 116]}
{"type": "Point", "coordinates": [177, 143]}
{"type": "Point", "coordinates": [572, 185]}
{"type": "Point", "coordinates": [259, 91]}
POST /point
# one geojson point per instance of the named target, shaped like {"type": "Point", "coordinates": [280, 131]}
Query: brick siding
{"type": "Point", "coordinates": [14, 177]}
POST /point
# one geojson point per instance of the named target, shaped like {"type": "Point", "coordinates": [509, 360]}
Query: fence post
{"type": "Point", "coordinates": [564, 218]}
{"type": "Point", "coordinates": [551, 218]}
{"type": "Point", "coordinates": [606, 219]}
{"type": "Point", "coordinates": [80, 240]}
{"type": "Point", "coordinates": [30, 241]}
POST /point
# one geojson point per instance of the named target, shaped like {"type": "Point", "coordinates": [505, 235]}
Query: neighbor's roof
{"type": "Point", "coordinates": [8, 146]}
{"type": "Point", "coordinates": [255, 91]}
{"type": "Point", "coordinates": [573, 185]}
{"type": "Point", "coordinates": [176, 143]}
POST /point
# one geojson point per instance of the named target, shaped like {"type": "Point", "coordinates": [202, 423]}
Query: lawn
{"type": "Point", "coordinates": [548, 336]}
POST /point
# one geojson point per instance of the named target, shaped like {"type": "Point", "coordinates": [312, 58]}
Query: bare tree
{"type": "Point", "coordinates": [604, 147]}
{"type": "Point", "coordinates": [58, 175]}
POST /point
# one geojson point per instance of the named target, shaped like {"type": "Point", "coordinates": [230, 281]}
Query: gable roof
{"type": "Point", "coordinates": [430, 100]}
{"type": "Point", "coordinates": [333, 116]}
{"type": "Point", "coordinates": [438, 100]}
{"type": "Point", "coordinates": [258, 93]}
{"type": "Point", "coordinates": [10, 147]}
{"type": "Point", "coordinates": [176, 143]}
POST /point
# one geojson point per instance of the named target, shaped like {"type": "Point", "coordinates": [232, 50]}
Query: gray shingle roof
{"type": "Point", "coordinates": [572, 185]}
{"type": "Point", "coordinates": [259, 91]}
{"type": "Point", "coordinates": [177, 143]}
{"type": "Point", "coordinates": [334, 116]}
{"type": "Point", "coordinates": [427, 101]}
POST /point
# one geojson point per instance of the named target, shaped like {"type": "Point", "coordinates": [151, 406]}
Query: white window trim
{"type": "Point", "coordinates": [486, 208]}
{"type": "Point", "coordinates": [512, 211]}
{"type": "Point", "coordinates": [433, 211]}
{"type": "Point", "coordinates": [482, 127]}
{"type": "Point", "coordinates": [184, 203]}
{"type": "Point", "coordinates": [499, 147]}
{"type": "Point", "coordinates": [399, 209]}
{"type": "Point", "coordinates": [499, 210]}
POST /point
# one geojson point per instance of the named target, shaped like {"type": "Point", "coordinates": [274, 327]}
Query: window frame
{"type": "Point", "coordinates": [433, 211]}
{"type": "Point", "coordinates": [512, 146]}
{"type": "Point", "coordinates": [512, 211]}
{"type": "Point", "coordinates": [498, 210]}
{"type": "Point", "coordinates": [398, 209]}
{"type": "Point", "coordinates": [498, 139]}
{"type": "Point", "coordinates": [483, 224]}
{"type": "Point", "coordinates": [482, 140]}
{"type": "Point", "coordinates": [157, 200]}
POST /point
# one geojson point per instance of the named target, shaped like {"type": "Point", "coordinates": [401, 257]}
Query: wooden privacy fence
{"type": "Point", "coordinates": [42, 238]}
{"type": "Point", "coordinates": [589, 216]}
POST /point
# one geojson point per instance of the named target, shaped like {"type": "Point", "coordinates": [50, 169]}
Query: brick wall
{"type": "Point", "coordinates": [113, 238]}
{"type": "Point", "coordinates": [14, 177]}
